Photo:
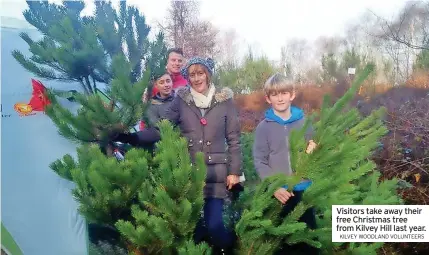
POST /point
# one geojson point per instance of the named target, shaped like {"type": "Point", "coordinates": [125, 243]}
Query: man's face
{"type": "Point", "coordinates": [198, 78]}
{"type": "Point", "coordinates": [174, 62]}
{"type": "Point", "coordinates": [164, 85]}
{"type": "Point", "coordinates": [280, 101]}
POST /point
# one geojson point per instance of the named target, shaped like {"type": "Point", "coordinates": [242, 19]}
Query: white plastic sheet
{"type": "Point", "coordinates": [37, 205]}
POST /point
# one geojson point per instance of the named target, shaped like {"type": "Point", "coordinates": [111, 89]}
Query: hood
{"type": "Point", "coordinates": [296, 114]}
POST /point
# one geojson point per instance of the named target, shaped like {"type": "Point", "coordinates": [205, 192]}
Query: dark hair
{"type": "Point", "coordinates": [158, 75]}
{"type": "Point", "coordinates": [175, 50]}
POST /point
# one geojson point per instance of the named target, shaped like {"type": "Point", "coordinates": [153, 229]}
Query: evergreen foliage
{"type": "Point", "coordinates": [171, 205]}
{"type": "Point", "coordinates": [97, 120]}
{"type": "Point", "coordinates": [340, 169]}
{"type": "Point", "coordinates": [77, 48]}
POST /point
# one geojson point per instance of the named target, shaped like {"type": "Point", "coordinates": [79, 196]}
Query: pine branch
{"type": "Point", "coordinates": [170, 214]}
{"type": "Point", "coordinates": [39, 71]}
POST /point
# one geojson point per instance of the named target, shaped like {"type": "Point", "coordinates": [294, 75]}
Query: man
{"type": "Point", "coordinates": [174, 65]}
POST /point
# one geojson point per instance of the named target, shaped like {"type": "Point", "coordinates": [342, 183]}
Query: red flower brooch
{"type": "Point", "coordinates": [203, 121]}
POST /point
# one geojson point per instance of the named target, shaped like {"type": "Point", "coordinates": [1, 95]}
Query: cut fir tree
{"type": "Point", "coordinates": [79, 48]}
{"type": "Point", "coordinates": [109, 49]}
{"type": "Point", "coordinates": [154, 203]}
{"type": "Point", "coordinates": [340, 169]}
{"type": "Point", "coordinates": [96, 121]}
{"type": "Point", "coordinates": [169, 208]}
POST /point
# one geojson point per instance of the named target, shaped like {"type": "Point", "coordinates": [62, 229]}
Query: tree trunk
{"type": "Point", "coordinates": [95, 84]}
{"type": "Point", "coordinates": [84, 87]}
{"type": "Point", "coordinates": [88, 84]}
{"type": "Point", "coordinates": [132, 248]}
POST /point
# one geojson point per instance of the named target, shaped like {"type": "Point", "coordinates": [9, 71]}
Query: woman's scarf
{"type": "Point", "coordinates": [201, 100]}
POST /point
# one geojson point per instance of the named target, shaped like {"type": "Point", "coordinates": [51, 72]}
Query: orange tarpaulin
{"type": "Point", "coordinates": [38, 100]}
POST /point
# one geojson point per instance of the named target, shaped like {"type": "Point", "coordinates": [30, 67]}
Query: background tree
{"type": "Point", "coordinates": [184, 29]}
{"type": "Point", "coordinates": [249, 76]}
{"type": "Point", "coordinates": [422, 61]}
{"type": "Point", "coordinates": [402, 38]}
{"type": "Point", "coordinates": [295, 58]}
{"type": "Point", "coordinates": [330, 69]}
{"type": "Point", "coordinates": [409, 28]}
{"type": "Point", "coordinates": [228, 48]}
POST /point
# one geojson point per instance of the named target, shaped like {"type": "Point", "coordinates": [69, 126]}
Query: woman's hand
{"type": "Point", "coordinates": [231, 180]}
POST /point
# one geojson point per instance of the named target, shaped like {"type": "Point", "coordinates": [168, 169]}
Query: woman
{"type": "Point", "coordinates": [207, 117]}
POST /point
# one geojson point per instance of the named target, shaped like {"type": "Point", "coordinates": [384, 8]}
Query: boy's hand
{"type": "Point", "coordinates": [231, 180]}
{"type": "Point", "coordinates": [310, 147]}
{"type": "Point", "coordinates": [283, 195]}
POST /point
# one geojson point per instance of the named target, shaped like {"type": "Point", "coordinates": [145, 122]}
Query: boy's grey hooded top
{"type": "Point", "coordinates": [158, 107]}
{"type": "Point", "coordinates": [271, 146]}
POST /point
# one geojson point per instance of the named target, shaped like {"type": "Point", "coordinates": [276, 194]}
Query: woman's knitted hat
{"type": "Point", "coordinates": [208, 63]}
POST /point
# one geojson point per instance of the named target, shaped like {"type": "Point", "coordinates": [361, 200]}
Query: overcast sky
{"type": "Point", "coordinates": [266, 24]}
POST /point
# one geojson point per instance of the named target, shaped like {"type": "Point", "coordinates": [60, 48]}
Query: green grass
{"type": "Point", "coordinates": [8, 242]}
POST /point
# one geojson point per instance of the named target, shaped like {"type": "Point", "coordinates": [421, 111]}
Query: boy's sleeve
{"type": "Point", "coordinates": [309, 133]}
{"type": "Point", "coordinates": [173, 113]}
{"type": "Point", "coordinates": [233, 134]}
{"type": "Point", "coordinates": [261, 153]}
{"type": "Point", "coordinates": [152, 114]}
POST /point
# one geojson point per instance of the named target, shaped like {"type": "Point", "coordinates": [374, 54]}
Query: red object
{"type": "Point", "coordinates": [142, 125]}
{"type": "Point", "coordinates": [203, 121]}
{"type": "Point", "coordinates": [38, 100]}
{"type": "Point", "coordinates": [178, 81]}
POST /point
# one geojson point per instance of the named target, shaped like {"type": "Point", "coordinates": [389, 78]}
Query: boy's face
{"type": "Point", "coordinates": [280, 101]}
{"type": "Point", "coordinates": [164, 85]}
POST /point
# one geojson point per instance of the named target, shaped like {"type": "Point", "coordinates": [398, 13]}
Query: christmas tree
{"type": "Point", "coordinates": [169, 208]}
{"type": "Point", "coordinates": [342, 174]}
{"type": "Point", "coordinates": [247, 140]}
{"type": "Point", "coordinates": [127, 63]}
{"type": "Point", "coordinates": [77, 48]}
{"type": "Point", "coordinates": [153, 202]}
{"type": "Point", "coordinates": [97, 120]}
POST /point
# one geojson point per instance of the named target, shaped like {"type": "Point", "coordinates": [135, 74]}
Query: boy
{"type": "Point", "coordinates": [271, 149]}
{"type": "Point", "coordinates": [162, 99]}
{"type": "Point", "coordinates": [159, 104]}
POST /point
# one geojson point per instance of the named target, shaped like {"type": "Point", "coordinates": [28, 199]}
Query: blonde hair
{"type": "Point", "coordinates": [278, 83]}
{"type": "Point", "coordinates": [206, 71]}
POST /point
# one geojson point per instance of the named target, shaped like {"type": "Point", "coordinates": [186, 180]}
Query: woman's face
{"type": "Point", "coordinates": [198, 78]}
